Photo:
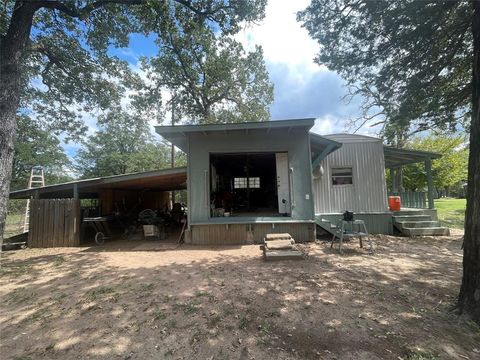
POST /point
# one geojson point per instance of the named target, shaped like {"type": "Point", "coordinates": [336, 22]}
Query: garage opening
{"type": "Point", "coordinates": [249, 184]}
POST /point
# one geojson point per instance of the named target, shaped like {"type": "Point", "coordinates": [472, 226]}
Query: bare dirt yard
{"type": "Point", "coordinates": [125, 301]}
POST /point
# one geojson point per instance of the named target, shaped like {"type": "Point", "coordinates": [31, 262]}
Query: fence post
{"type": "Point", "coordinates": [428, 168]}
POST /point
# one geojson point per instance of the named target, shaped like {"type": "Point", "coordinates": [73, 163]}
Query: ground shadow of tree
{"type": "Point", "coordinates": [228, 305]}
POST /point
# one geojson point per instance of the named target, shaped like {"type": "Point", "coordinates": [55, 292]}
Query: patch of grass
{"type": "Point", "coordinates": [420, 355]}
{"type": "Point", "coordinates": [40, 314]}
{"type": "Point", "coordinates": [19, 296]}
{"type": "Point", "coordinates": [59, 260]}
{"type": "Point", "coordinates": [451, 212]}
{"type": "Point", "coordinates": [22, 357]}
{"type": "Point", "coordinates": [58, 297]}
{"type": "Point", "coordinates": [188, 308]}
{"type": "Point", "coordinates": [159, 315]}
{"type": "Point", "coordinates": [243, 322]}
{"type": "Point", "coordinates": [214, 320]}
{"type": "Point", "coordinates": [103, 290]}
{"type": "Point", "coordinates": [265, 328]}
{"type": "Point", "coordinates": [16, 269]}
{"type": "Point", "coordinates": [474, 326]}
{"type": "Point", "coordinates": [13, 225]}
{"type": "Point", "coordinates": [168, 297]}
{"type": "Point", "coordinates": [146, 287]}
{"type": "Point", "coordinates": [171, 324]}
{"type": "Point", "coordinates": [202, 294]}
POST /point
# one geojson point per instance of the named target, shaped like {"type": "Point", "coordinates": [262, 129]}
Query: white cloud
{"type": "Point", "coordinates": [328, 124]}
{"type": "Point", "coordinates": [282, 38]}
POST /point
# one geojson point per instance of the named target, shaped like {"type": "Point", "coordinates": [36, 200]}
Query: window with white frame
{"type": "Point", "coordinates": [240, 183]}
{"type": "Point", "coordinates": [254, 183]}
{"type": "Point", "coordinates": [342, 176]}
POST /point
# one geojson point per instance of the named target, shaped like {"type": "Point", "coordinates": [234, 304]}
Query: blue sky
{"type": "Point", "coordinates": [301, 87]}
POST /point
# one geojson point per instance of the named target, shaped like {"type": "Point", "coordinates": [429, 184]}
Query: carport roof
{"type": "Point", "coordinates": [159, 180]}
{"type": "Point", "coordinates": [395, 157]}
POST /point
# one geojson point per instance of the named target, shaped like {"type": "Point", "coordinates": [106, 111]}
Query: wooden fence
{"type": "Point", "coordinates": [54, 223]}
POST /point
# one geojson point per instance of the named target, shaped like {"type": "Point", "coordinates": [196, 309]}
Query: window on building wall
{"type": "Point", "coordinates": [342, 176]}
{"type": "Point", "coordinates": [240, 183]}
{"type": "Point", "coordinates": [254, 183]}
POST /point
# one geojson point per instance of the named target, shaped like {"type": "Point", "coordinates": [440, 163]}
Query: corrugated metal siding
{"type": "Point", "coordinates": [375, 223]}
{"type": "Point", "coordinates": [368, 193]}
{"type": "Point", "coordinates": [240, 234]}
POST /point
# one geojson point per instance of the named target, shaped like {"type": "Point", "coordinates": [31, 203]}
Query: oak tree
{"type": "Point", "coordinates": [213, 78]}
{"type": "Point", "coordinates": [56, 58]}
{"type": "Point", "coordinates": [417, 64]}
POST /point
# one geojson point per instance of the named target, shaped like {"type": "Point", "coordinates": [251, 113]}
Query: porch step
{"type": "Point", "coordinates": [417, 224]}
{"type": "Point", "coordinates": [325, 225]}
{"type": "Point", "coordinates": [408, 212]}
{"type": "Point", "coordinates": [400, 218]}
{"type": "Point", "coordinates": [426, 231]}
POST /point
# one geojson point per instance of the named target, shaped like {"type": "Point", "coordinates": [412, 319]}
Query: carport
{"type": "Point", "coordinates": [57, 211]}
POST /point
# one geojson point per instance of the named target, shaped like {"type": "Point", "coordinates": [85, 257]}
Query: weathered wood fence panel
{"type": "Point", "coordinates": [54, 223]}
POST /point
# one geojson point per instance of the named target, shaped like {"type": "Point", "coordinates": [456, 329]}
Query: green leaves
{"type": "Point", "coordinates": [448, 171]}
{"type": "Point", "coordinates": [213, 78]}
{"type": "Point", "coordinates": [35, 145]}
{"type": "Point", "coordinates": [69, 72]}
{"type": "Point", "coordinates": [410, 58]}
{"type": "Point", "coordinates": [123, 144]}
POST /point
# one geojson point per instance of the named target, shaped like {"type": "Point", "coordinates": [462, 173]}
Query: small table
{"type": "Point", "coordinates": [350, 229]}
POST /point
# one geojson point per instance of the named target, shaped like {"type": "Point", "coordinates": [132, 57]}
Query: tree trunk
{"type": "Point", "coordinates": [469, 297]}
{"type": "Point", "coordinates": [12, 50]}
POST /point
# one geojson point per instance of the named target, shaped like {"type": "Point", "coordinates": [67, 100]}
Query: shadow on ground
{"type": "Point", "coordinates": [226, 303]}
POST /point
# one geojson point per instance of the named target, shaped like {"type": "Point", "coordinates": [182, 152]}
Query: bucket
{"type": "Point", "coordinates": [394, 203]}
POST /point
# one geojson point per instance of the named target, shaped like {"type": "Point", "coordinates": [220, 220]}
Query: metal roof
{"type": "Point", "coordinates": [352, 138]}
{"type": "Point", "coordinates": [177, 135]}
{"type": "Point", "coordinates": [319, 143]}
{"type": "Point", "coordinates": [397, 157]}
{"type": "Point", "coordinates": [160, 180]}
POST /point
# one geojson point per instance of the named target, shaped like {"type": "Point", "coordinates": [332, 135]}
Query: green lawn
{"type": "Point", "coordinates": [451, 212]}
{"type": "Point", "coordinates": [13, 225]}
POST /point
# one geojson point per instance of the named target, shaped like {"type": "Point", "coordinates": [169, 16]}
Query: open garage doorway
{"type": "Point", "coordinates": [249, 184]}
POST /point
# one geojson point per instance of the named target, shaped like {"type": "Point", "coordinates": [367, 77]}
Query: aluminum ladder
{"type": "Point", "coordinates": [37, 179]}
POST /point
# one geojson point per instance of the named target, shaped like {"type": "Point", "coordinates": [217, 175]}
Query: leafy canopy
{"type": "Point", "coordinates": [37, 146]}
{"type": "Point", "coordinates": [122, 144]}
{"type": "Point", "coordinates": [212, 77]}
{"type": "Point", "coordinates": [409, 60]}
{"type": "Point", "coordinates": [448, 171]}
{"type": "Point", "coordinates": [69, 70]}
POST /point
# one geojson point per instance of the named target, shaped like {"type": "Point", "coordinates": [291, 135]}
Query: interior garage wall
{"type": "Point", "coordinates": [295, 142]}
{"type": "Point", "coordinates": [130, 198]}
{"type": "Point", "coordinates": [369, 190]}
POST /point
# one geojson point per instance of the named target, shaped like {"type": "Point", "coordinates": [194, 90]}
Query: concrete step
{"type": "Point", "coordinates": [411, 218]}
{"type": "Point", "coordinates": [416, 224]}
{"type": "Point", "coordinates": [426, 231]}
{"type": "Point", "coordinates": [408, 212]}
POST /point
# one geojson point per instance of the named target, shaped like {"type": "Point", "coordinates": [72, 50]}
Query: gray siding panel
{"type": "Point", "coordinates": [375, 223]}
{"type": "Point", "coordinates": [368, 192]}
{"type": "Point", "coordinates": [295, 142]}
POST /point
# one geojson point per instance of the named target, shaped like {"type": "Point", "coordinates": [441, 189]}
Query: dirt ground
{"type": "Point", "coordinates": [131, 300]}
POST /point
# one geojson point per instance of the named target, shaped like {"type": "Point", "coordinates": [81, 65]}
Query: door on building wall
{"type": "Point", "coordinates": [283, 183]}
